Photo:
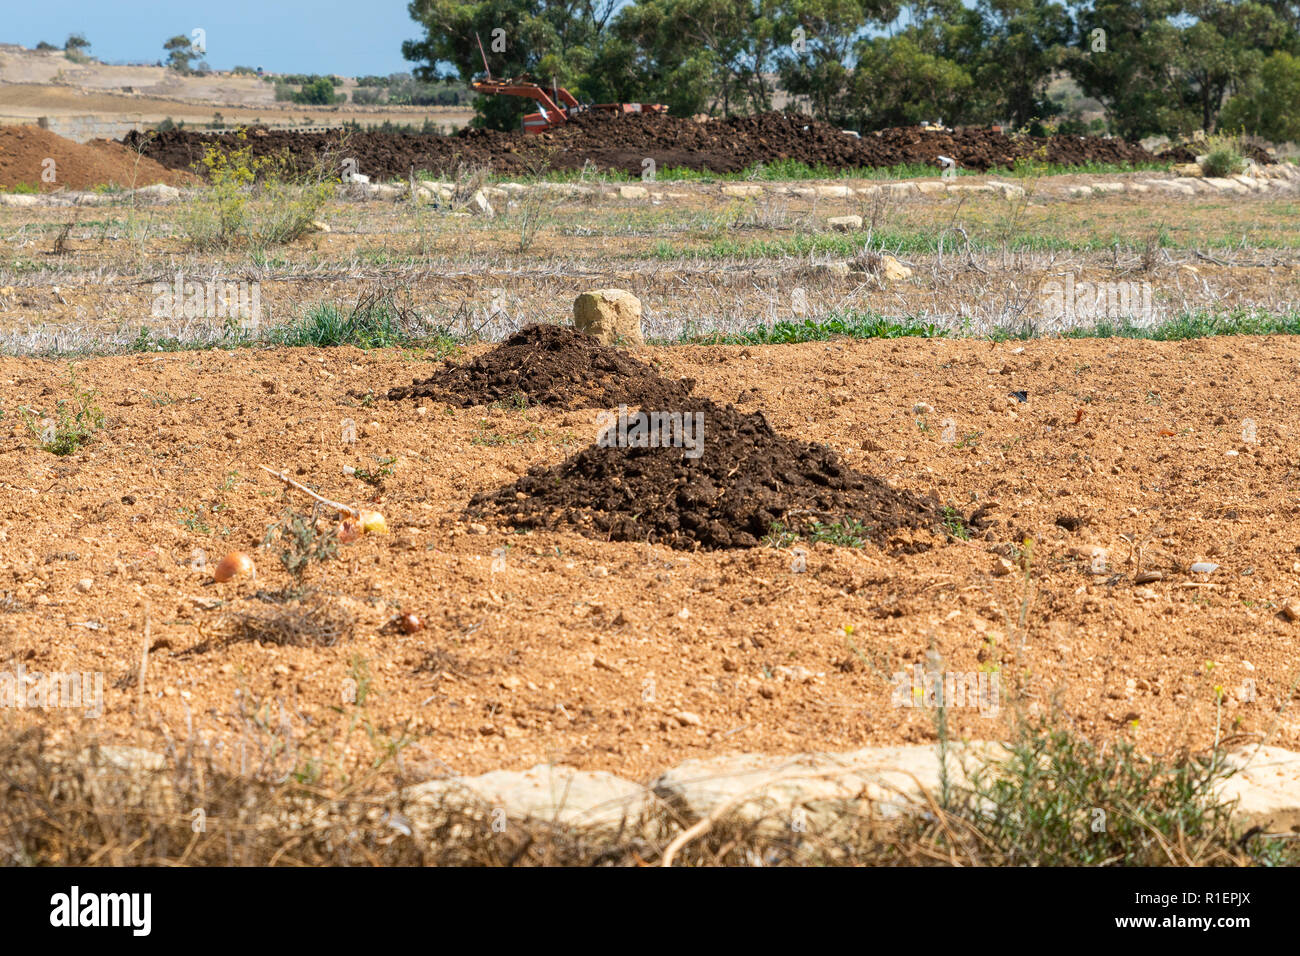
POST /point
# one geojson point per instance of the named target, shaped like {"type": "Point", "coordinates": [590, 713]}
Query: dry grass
{"type": "Point", "coordinates": [186, 803]}
{"type": "Point", "coordinates": [311, 620]}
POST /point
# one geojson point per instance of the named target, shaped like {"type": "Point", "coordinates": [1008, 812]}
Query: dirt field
{"type": "Point", "coordinates": [553, 646]}
{"type": "Point", "coordinates": [1076, 482]}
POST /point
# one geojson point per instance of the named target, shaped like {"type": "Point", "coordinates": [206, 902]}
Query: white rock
{"type": "Point", "coordinates": [480, 206]}
{"type": "Point", "coordinates": [633, 192]}
{"type": "Point", "coordinates": [1267, 787]}
{"type": "Point", "coordinates": [555, 794]}
{"type": "Point", "coordinates": [742, 190]}
{"type": "Point", "coordinates": [834, 192]}
{"type": "Point", "coordinates": [159, 192]}
{"type": "Point", "coordinates": [829, 789]}
{"type": "Point", "coordinates": [844, 223]}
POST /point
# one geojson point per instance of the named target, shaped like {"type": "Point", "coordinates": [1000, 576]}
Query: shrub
{"type": "Point", "coordinates": [252, 200]}
{"type": "Point", "coordinates": [319, 92]}
{"type": "Point", "coordinates": [75, 422]}
{"type": "Point", "coordinates": [1223, 156]}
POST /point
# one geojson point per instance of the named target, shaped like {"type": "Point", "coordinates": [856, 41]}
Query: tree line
{"type": "Point", "coordinates": [1157, 66]}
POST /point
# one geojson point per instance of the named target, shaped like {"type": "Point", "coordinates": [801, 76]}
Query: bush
{"type": "Point", "coordinates": [319, 92]}
{"type": "Point", "coordinates": [1223, 156]}
{"type": "Point", "coordinates": [252, 200]}
{"type": "Point", "coordinates": [367, 96]}
{"type": "Point", "coordinates": [75, 422]}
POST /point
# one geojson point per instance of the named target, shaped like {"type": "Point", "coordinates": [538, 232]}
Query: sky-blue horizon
{"type": "Point", "coordinates": [334, 37]}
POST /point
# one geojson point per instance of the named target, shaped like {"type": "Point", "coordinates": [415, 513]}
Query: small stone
{"type": "Point", "coordinates": [687, 718]}
{"type": "Point", "coordinates": [844, 223]}
{"type": "Point", "coordinates": [1003, 567]}
{"type": "Point", "coordinates": [85, 584]}
{"type": "Point", "coordinates": [611, 315]}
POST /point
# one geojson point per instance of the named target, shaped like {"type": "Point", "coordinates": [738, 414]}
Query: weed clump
{"type": "Point", "coordinates": [75, 422]}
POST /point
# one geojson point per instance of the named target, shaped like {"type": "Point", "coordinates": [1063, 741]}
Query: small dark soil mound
{"type": "Point", "coordinates": [745, 478]}
{"type": "Point", "coordinates": [553, 365]}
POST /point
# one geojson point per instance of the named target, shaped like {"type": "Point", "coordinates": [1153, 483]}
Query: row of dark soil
{"type": "Point", "coordinates": [624, 142]}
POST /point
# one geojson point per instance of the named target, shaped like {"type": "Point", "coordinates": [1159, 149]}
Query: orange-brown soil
{"type": "Point", "coordinates": [554, 646]}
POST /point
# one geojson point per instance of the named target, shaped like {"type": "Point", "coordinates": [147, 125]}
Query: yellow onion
{"type": "Point", "coordinates": [409, 624]}
{"type": "Point", "coordinates": [236, 564]}
{"type": "Point", "coordinates": [372, 522]}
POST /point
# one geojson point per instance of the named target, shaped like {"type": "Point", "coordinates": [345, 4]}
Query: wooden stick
{"type": "Point", "coordinates": [307, 491]}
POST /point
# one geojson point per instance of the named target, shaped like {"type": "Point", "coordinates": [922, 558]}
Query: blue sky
{"type": "Point", "coordinates": [285, 36]}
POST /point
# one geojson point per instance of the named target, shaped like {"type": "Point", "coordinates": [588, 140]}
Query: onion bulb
{"type": "Point", "coordinates": [409, 624]}
{"type": "Point", "coordinates": [372, 522]}
{"type": "Point", "coordinates": [236, 564]}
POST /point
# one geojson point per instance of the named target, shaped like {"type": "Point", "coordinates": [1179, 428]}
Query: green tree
{"type": "Point", "coordinates": [1022, 43]}
{"type": "Point", "coordinates": [815, 54]}
{"type": "Point", "coordinates": [1129, 55]}
{"type": "Point", "coordinates": [1270, 107]}
{"type": "Point", "coordinates": [1224, 50]}
{"type": "Point", "coordinates": [180, 51]}
{"type": "Point", "coordinates": [317, 92]}
{"type": "Point", "coordinates": [898, 82]}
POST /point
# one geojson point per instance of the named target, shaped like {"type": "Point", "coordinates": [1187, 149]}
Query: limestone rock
{"type": "Point", "coordinates": [554, 794]}
{"type": "Point", "coordinates": [827, 790]}
{"type": "Point", "coordinates": [159, 192]}
{"type": "Point", "coordinates": [611, 315]}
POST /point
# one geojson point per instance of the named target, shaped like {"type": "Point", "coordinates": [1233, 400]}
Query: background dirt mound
{"type": "Point", "coordinates": [24, 149]}
{"type": "Point", "coordinates": [622, 142]}
{"type": "Point", "coordinates": [747, 478]}
{"type": "Point", "coordinates": [553, 365]}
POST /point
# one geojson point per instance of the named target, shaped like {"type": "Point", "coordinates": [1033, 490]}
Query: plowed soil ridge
{"type": "Point", "coordinates": [623, 142]}
{"type": "Point", "coordinates": [552, 365]}
{"type": "Point", "coordinates": [746, 478]}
